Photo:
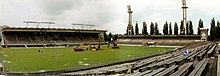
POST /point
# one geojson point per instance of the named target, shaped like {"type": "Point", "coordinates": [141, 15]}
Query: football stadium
{"type": "Point", "coordinates": [60, 51]}
{"type": "Point", "coordinates": [55, 51]}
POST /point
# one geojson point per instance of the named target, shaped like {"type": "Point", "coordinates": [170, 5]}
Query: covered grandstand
{"type": "Point", "coordinates": [34, 37]}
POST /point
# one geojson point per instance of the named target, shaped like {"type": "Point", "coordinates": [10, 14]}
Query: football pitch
{"type": "Point", "coordinates": [31, 60]}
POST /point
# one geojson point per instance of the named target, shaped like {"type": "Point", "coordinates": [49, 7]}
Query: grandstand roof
{"type": "Point", "coordinates": [22, 29]}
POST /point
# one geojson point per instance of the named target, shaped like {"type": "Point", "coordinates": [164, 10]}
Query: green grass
{"type": "Point", "coordinates": [30, 60]}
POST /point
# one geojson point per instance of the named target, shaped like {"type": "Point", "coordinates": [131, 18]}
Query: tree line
{"type": "Point", "coordinates": [168, 28]}
{"type": "Point", "coordinates": [214, 30]}
{"type": "Point", "coordinates": [109, 36]}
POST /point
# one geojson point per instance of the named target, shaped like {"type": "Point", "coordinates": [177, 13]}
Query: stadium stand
{"type": "Point", "coordinates": [183, 70]}
{"type": "Point", "coordinates": [212, 67]}
{"type": "Point", "coordinates": [218, 66]}
{"type": "Point", "coordinates": [143, 73]}
{"type": "Point", "coordinates": [168, 70]}
{"type": "Point", "coordinates": [175, 40]}
{"type": "Point", "coordinates": [202, 54]}
{"type": "Point", "coordinates": [154, 72]}
{"type": "Point", "coordinates": [210, 52]}
{"type": "Point", "coordinates": [199, 68]}
{"type": "Point", "coordinates": [193, 55]}
{"type": "Point", "coordinates": [13, 36]}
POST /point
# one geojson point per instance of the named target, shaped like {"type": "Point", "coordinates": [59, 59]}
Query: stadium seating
{"type": "Point", "coordinates": [11, 39]}
{"type": "Point", "coordinates": [199, 68]}
{"type": "Point", "coordinates": [159, 39]}
{"type": "Point", "coordinates": [210, 52]}
{"type": "Point", "coordinates": [41, 36]}
{"type": "Point", "coordinates": [183, 70]}
{"type": "Point", "coordinates": [168, 70]}
{"type": "Point", "coordinates": [218, 66]}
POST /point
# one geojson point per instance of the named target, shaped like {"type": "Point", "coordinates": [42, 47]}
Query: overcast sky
{"type": "Point", "coordinates": [106, 14]}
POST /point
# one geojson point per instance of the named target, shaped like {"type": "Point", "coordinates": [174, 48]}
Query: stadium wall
{"type": "Point", "coordinates": [160, 39]}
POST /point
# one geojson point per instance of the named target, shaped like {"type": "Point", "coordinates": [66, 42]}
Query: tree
{"type": "Point", "coordinates": [136, 29]}
{"type": "Point", "coordinates": [144, 30]}
{"type": "Point", "coordinates": [170, 29]}
{"type": "Point", "coordinates": [218, 30]}
{"type": "Point", "coordinates": [187, 28]}
{"type": "Point", "coordinates": [182, 32]}
{"type": "Point", "coordinates": [175, 29]}
{"type": "Point", "coordinates": [200, 26]}
{"type": "Point", "coordinates": [110, 36]}
{"type": "Point", "coordinates": [126, 31]}
{"type": "Point", "coordinates": [213, 31]}
{"type": "Point", "coordinates": [165, 29]}
{"type": "Point", "coordinates": [190, 29]}
{"type": "Point", "coordinates": [105, 37]}
{"type": "Point", "coordinates": [132, 31]}
{"type": "Point", "coordinates": [156, 29]}
{"type": "Point", "coordinates": [152, 28]}
{"type": "Point", "coordinates": [115, 37]}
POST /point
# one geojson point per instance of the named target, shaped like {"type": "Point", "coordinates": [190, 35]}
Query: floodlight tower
{"type": "Point", "coordinates": [130, 27]}
{"type": "Point", "coordinates": [38, 23]}
{"type": "Point", "coordinates": [184, 7]}
{"type": "Point", "coordinates": [82, 25]}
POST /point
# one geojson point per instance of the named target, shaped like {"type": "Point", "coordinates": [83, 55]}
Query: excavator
{"type": "Point", "coordinates": [82, 47]}
{"type": "Point", "coordinates": [115, 46]}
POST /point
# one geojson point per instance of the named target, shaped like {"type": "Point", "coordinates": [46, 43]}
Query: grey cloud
{"type": "Point", "coordinates": [97, 12]}
{"type": "Point", "coordinates": [57, 7]}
